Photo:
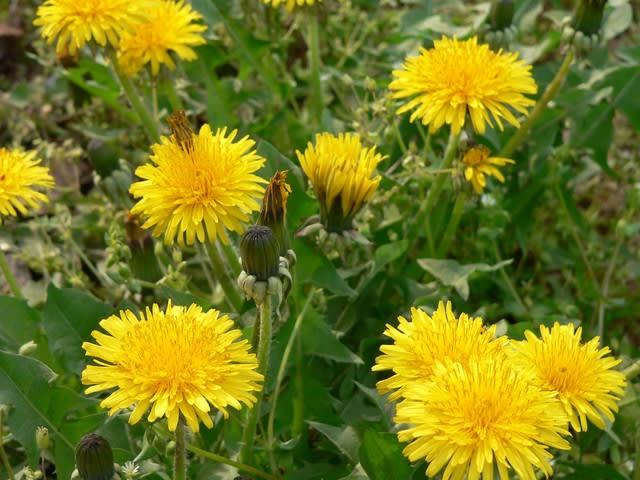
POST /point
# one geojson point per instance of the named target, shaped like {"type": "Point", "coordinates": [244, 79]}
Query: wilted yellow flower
{"type": "Point", "coordinates": [478, 163]}
{"type": "Point", "coordinates": [459, 78]}
{"type": "Point", "coordinates": [289, 4]}
{"type": "Point", "coordinates": [196, 190]}
{"type": "Point", "coordinates": [176, 362]}
{"type": "Point", "coordinates": [340, 170]}
{"type": "Point", "coordinates": [581, 374]}
{"type": "Point", "coordinates": [423, 341]}
{"type": "Point", "coordinates": [273, 212]}
{"type": "Point", "coordinates": [20, 174]}
{"type": "Point", "coordinates": [75, 22]}
{"type": "Point", "coordinates": [469, 418]}
{"type": "Point", "coordinates": [168, 27]}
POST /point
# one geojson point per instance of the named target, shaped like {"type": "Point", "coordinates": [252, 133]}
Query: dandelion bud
{"type": "Point", "coordinates": [273, 213]}
{"type": "Point", "coordinates": [260, 252]}
{"type": "Point", "coordinates": [94, 458]}
{"type": "Point", "coordinates": [42, 438]}
{"type": "Point", "coordinates": [181, 130]}
{"type": "Point", "coordinates": [587, 16]}
{"type": "Point", "coordinates": [501, 14]}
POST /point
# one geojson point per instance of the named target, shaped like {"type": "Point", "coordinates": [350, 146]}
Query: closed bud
{"type": "Point", "coordinates": [180, 129]}
{"type": "Point", "coordinates": [587, 16]}
{"type": "Point", "coordinates": [273, 213]}
{"type": "Point", "coordinates": [260, 252]}
{"type": "Point", "coordinates": [42, 438]}
{"type": "Point", "coordinates": [94, 458]}
{"type": "Point", "coordinates": [501, 14]}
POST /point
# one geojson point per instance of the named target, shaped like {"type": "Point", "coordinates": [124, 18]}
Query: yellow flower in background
{"type": "Point", "coordinates": [168, 27]}
{"type": "Point", "coordinates": [418, 344]}
{"type": "Point", "coordinates": [341, 172]}
{"type": "Point", "coordinates": [75, 23]}
{"type": "Point", "coordinates": [289, 4]}
{"type": "Point", "coordinates": [181, 361]}
{"type": "Point", "coordinates": [469, 418]}
{"type": "Point", "coordinates": [459, 78]}
{"type": "Point", "coordinates": [197, 189]}
{"type": "Point", "coordinates": [581, 374]}
{"type": "Point", "coordinates": [20, 175]}
{"type": "Point", "coordinates": [478, 164]}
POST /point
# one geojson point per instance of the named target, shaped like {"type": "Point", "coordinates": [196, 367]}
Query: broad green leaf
{"type": "Point", "coordinates": [624, 81]}
{"type": "Point", "coordinates": [381, 456]}
{"type": "Point", "coordinates": [357, 473]}
{"type": "Point", "coordinates": [318, 339]}
{"type": "Point", "coordinates": [619, 20]}
{"type": "Point", "coordinates": [25, 385]}
{"type": "Point", "coordinates": [19, 323]}
{"type": "Point", "coordinates": [313, 266]}
{"type": "Point", "coordinates": [593, 472]}
{"type": "Point", "coordinates": [389, 252]}
{"type": "Point", "coordinates": [69, 317]}
{"type": "Point", "coordinates": [345, 438]}
{"type": "Point", "coordinates": [451, 273]}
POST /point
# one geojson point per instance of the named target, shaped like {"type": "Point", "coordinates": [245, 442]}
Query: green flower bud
{"type": "Point", "coordinates": [501, 14]}
{"type": "Point", "coordinates": [260, 252]}
{"type": "Point", "coordinates": [42, 438]}
{"type": "Point", "coordinates": [587, 16]}
{"type": "Point", "coordinates": [94, 458]}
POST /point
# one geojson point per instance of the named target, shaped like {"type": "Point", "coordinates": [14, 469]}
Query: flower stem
{"type": "Point", "coordinates": [11, 280]}
{"type": "Point", "coordinates": [436, 188]}
{"type": "Point", "coordinates": [510, 286]}
{"type": "Point", "coordinates": [3, 454]}
{"type": "Point", "coordinates": [172, 95]}
{"type": "Point", "coordinates": [452, 226]}
{"type": "Point", "coordinates": [517, 138]}
{"type": "Point", "coordinates": [314, 62]}
{"type": "Point", "coordinates": [180, 454]}
{"type": "Point", "coordinates": [222, 276]}
{"type": "Point", "coordinates": [145, 117]}
{"type": "Point", "coordinates": [228, 461]}
{"type": "Point", "coordinates": [280, 378]}
{"type": "Point", "coordinates": [264, 346]}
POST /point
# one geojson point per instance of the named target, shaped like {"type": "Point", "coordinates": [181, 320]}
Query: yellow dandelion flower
{"type": "Point", "coordinates": [340, 170]}
{"type": "Point", "coordinates": [181, 361]}
{"type": "Point", "coordinates": [168, 27]}
{"type": "Point", "coordinates": [468, 419]}
{"type": "Point", "coordinates": [459, 78]}
{"type": "Point", "coordinates": [19, 175]}
{"type": "Point", "coordinates": [289, 4]}
{"type": "Point", "coordinates": [196, 191]}
{"type": "Point", "coordinates": [424, 340]}
{"type": "Point", "coordinates": [76, 23]}
{"type": "Point", "coordinates": [581, 374]}
{"type": "Point", "coordinates": [478, 164]}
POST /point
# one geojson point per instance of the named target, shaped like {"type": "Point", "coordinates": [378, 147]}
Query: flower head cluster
{"type": "Point", "coordinates": [172, 363]}
{"type": "Point", "coordinates": [478, 164]}
{"type": "Point", "coordinates": [341, 172]}
{"type": "Point", "coordinates": [20, 175]}
{"type": "Point", "coordinates": [581, 374]}
{"type": "Point", "coordinates": [75, 23]}
{"type": "Point", "coordinates": [456, 79]}
{"type": "Point", "coordinates": [289, 4]}
{"type": "Point", "coordinates": [168, 27]}
{"type": "Point", "coordinates": [470, 403]}
{"type": "Point", "coordinates": [195, 189]}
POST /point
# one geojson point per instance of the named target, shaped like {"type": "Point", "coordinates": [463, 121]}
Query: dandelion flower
{"type": "Point", "coordinates": [289, 4]}
{"type": "Point", "coordinates": [459, 78]}
{"type": "Point", "coordinates": [168, 26]}
{"type": "Point", "coordinates": [581, 374]}
{"type": "Point", "coordinates": [341, 172]}
{"type": "Point", "coordinates": [20, 174]}
{"type": "Point", "coordinates": [195, 190]}
{"type": "Point", "coordinates": [468, 419]}
{"type": "Point", "coordinates": [424, 340]}
{"type": "Point", "coordinates": [76, 23]}
{"type": "Point", "coordinates": [181, 361]}
{"type": "Point", "coordinates": [478, 164]}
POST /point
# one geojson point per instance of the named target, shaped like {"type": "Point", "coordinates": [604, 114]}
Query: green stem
{"type": "Point", "coordinates": [222, 276]}
{"type": "Point", "coordinates": [314, 62]}
{"type": "Point", "coordinates": [172, 95]}
{"type": "Point", "coordinates": [180, 454]}
{"type": "Point", "coordinates": [396, 131]}
{"type": "Point", "coordinates": [232, 259]}
{"type": "Point", "coordinates": [11, 280]}
{"type": "Point", "coordinates": [297, 422]}
{"type": "Point", "coordinates": [510, 286]}
{"type": "Point", "coordinates": [517, 138]}
{"type": "Point", "coordinates": [145, 117]}
{"type": "Point", "coordinates": [452, 226]}
{"type": "Point", "coordinates": [3, 454]}
{"type": "Point", "coordinates": [264, 346]}
{"type": "Point", "coordinates": [280, 378]}
{"type": "Point", "coordinates": [228, 461]}
{"type": "Point", "coordinates": [604, 293]}
{"type": "Point", "coordinates": [632, 370]}
{"type": "Point", "coordinates": [436, 188]}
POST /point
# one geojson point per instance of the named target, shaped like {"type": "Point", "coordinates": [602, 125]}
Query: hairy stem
{"type": "Point", "coordinates": [11, 280]}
